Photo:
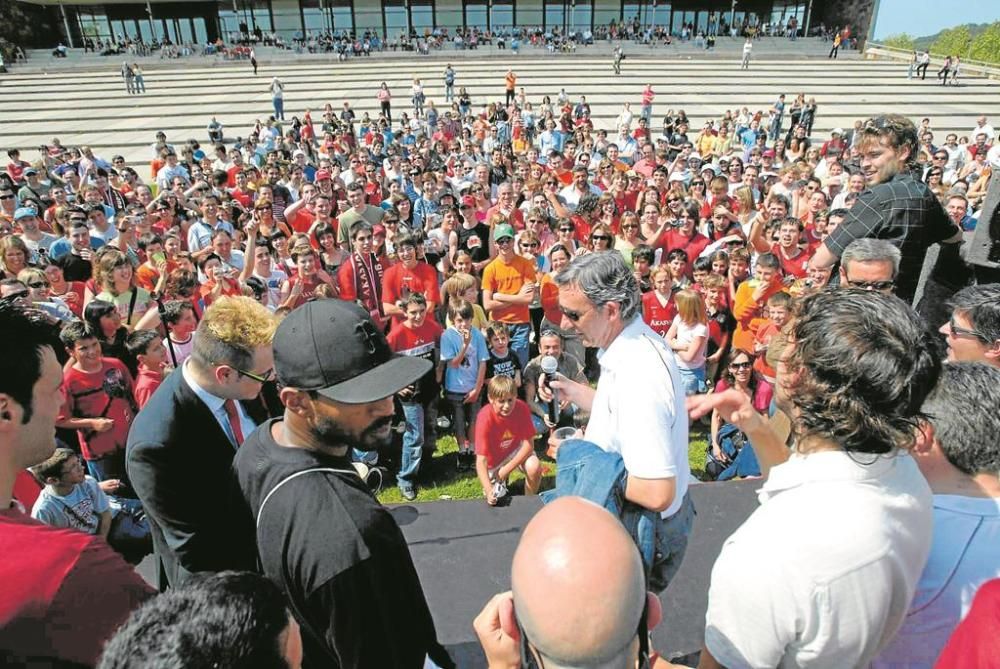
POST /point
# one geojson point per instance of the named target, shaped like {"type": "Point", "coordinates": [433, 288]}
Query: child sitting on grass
{"type": "Point", "coordinates": [504, 442]}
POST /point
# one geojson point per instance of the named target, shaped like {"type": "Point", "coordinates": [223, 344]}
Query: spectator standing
{"type": "Point", "coordinates": [449, 83]}
{"type": "Point", "coordinates": [853, 423]}
{"type": "Point", "coordinates": [637, 410]}
{"type": "Point", "coordinates": [509, 289]}
{"type": "Point", "coordinates": [65, 592]}
{"type": "Point", "coordinates": [350, 580]}
{"type": "Point", "coordinates": [185, 437]}
{"type": "Point", "coordinates": [277, 90]}
{"type": "Point", "coordinates": [510, 83]}
{"type": "Point", "coordinates": [896, 206]}
{"type": "Point", "coordinates": [747, 49]}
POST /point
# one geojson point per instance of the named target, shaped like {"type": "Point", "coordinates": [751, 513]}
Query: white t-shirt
{"type": "Point", "coordinates": [685, 335]}
{"type": "Point", "coordinates": [273, 283]}
{"type": "Point", "coordinates": [965, 554]}
{"type": "Point", "coordinates": [822, 574]}
{"type": "Point", "coordinates": [638, 410]}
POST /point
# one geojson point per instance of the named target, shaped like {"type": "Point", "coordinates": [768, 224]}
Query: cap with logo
{"type": "Point", "coordinates": [332, 347]}
{"type": "Point", "coordinates": [24, 212]}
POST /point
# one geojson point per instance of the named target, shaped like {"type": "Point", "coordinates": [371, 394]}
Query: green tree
{"type": "Point", "coordinates": [952, 42]}
{"type": "Point", "coordinates": [986, 46]}
{"type": "Point", "coordinates": [900, 41]}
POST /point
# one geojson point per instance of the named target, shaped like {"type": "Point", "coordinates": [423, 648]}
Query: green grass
{"type": "Point", "coordinates": [441, 479]}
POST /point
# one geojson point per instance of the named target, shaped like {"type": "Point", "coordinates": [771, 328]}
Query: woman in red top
{"type": "Point", "coordinates": [740, 375]}
{"type": "Point", "coordinates": [71, 292]}
{"type": "Point", "coordinates": [608, 213]}
{"type": "Point", "coordinates": [301, 288]}
{"type": "Point", "coordinates": [221, 280]}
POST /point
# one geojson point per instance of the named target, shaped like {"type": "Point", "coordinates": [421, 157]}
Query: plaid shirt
{"type": "Point", "coordinates": [903, 211]}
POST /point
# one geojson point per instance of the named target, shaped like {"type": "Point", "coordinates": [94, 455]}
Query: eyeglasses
{"type": "Point", "coordinates": [573, 316]}
{"type": "Point", "coordinates": [264, 378]}
{"type": "Point", "coordinates": [958, 331]}
{"type": "Point", "coordinates": [740, 365]}
{"type": "Point", "coordinates": [871, 285]}
{"type": "Point", "coordinates": [629, 226]}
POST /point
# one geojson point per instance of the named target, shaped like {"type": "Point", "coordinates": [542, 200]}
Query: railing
{"type": "Point", "coordinates": [876, 50]}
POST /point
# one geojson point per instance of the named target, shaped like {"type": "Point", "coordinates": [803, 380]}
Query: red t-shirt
{"type": "Point", "coordinates": [975, 644]}
{"type": "Point", "coordinates": [64, 592]}
{"type": "Point", "coordinates": [146, 383]}
{"type": "Point", "coordinates": [245, 198]}
{"type": "Point", "coordinates": [399, 282]}
{"type": "Point", "coordinates": [87, 397]}
{"type": "Point", "coordinates": [497, 436]}
{"type": "Point", "coordinates": [658, 316]}
{"type": "Point", "coordinates": [693, 246]}
{"type": "Point", "coordinates": [302, 220]}
{"type": "Point", "coordinates": [797, 266]}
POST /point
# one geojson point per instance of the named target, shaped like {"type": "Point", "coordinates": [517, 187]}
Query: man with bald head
{"type": "Point", "coordinates": [578, 596]}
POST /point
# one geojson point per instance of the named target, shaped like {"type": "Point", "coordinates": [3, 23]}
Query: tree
{"type": "Point", "coordinates": [986, 46]}
{"type": "Point", "coordinates": [900, 41]}
{"type": "Point", "coordinates": [952, 42]}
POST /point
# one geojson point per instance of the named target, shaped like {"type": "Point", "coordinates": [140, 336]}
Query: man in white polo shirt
{"type": "Point", "coordinates": [822, 574]}
{"type": "Point", "coordinates": [960, 456]}
{"type": "Point", "coordinates": [637, 410]}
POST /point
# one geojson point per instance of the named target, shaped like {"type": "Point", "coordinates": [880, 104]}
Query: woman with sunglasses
{"type": "Point", "coordinates": [628, 236]}
{"type": "Point", "coordinates": [935, 181]}
{"type": "Point", "coordinates": [548, 290]}
{"type": "Point", "coordinates": [698, 190]}
{"type": "Point", "coordinates": [740, 375]}
{"type": "Point", "coordinates": [607, 211]}
{"type": "Point", "coordinates": [40, 296]}
{"type": "Point", "coordinates": [601, 239]}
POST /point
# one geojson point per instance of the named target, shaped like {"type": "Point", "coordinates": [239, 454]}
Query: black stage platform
{"type": "Point", "coordinates": [463, 549]}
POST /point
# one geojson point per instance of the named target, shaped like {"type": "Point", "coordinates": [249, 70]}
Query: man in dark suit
{"type": "Point", "coordinates": [181, 445]}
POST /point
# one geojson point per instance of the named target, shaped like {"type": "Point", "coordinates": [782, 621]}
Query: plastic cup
{"type": "Point", "coordinates": [558, 436]}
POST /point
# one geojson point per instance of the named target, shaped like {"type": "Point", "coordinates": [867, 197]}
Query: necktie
{"type": "Point", "coordinates": [234, 421]}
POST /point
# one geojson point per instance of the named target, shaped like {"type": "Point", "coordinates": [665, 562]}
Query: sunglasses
{"type": "Point", "coordinates": [38, 284]}
{"type": "Point", "coordinates": [629, 226]}
{"type": "Point", "coordinates": [573, 316]}
{"type": "Point", "coordinates": [531, 245]}
{"type": "Point", "coordinates": [958, 331]}
{"type": "Point", "coordinates": [565, 229]}
{"type": "Point", "coordinates": [871, 285]}
{"type": "Point", "coordinates": [740, 365]}
{"type": "Point", "coordinates": [600, 238]}
{"type": "Point", "coordinates": [6, 197]}
{"type": "Point", "coordinates": [504, 241]}
{"type": "Point", "coordinates": [267, 376]}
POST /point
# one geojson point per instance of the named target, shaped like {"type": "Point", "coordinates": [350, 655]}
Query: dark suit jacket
{"type": "Point", "coordinates": [179, 460]}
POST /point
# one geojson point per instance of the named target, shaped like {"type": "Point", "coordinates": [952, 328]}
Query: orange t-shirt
{"type": "Point", "coordinates": [507, 278]}
{"type": "Point", "coordinates": [749, 314]}
{"type": "Point", "coordinates": [511, 80]}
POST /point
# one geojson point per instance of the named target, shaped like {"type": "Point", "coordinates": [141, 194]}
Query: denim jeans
{"type": "Point", "coordinates": [413, 445]}
{"type": "Point", "coordinates": [520, 342]}
{"type": "Point", "coordinates": [279, 108]}
{"type": "Point", "coordinates": [694, 380]}
{"type": "Point", "coordinates": [463, 418]}
{"type": "Point", "coordinates": [671, 544]}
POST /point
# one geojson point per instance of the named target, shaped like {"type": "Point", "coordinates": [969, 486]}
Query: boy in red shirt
{"type": "Point", "coordinates": [147, 349]}
{"type": "Point", "coordinates": [99, 402]}
{"type": "Point", "coordinates": [504, 441]}
{"type": "Point", "coordinates": [408, 276]}
{"type": "Point", "coordinates": [419, 337]}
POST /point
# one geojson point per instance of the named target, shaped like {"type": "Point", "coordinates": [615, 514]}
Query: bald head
{"type": "Point", "coordinates": [578, 585]}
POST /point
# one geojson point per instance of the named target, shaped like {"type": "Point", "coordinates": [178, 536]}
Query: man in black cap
{"type": "Point", "coordinates": [320, 534]}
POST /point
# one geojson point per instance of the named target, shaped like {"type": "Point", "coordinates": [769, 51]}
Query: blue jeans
{"type": "Point", "coordinates": [671, 544]}
{"type": "Point", "coordinates": [463, 418]}
{"type": "Point", "coordinates": [413, 445]}
{"type": "Point", "coordinates": [520, 342]}
{"type": "Point", "coordinates": [279, 108]}
{"type": "Point", "coordinates": [694, 380]}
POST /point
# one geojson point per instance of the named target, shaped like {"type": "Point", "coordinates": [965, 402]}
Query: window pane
{"type": "Point", "coordinates": [581, 16]}
{"type": "Point", "coordinates": [395, 20]}
{"type": "Point", "coordinates": [475, 15]}
{"type": "Point", "coordinates": [342, 19]}
{"type": "Point", "coordinates": [554, 17]}
{"type": "Point", "coordinates": [503, 17]}
{"type": "Point", "coordinates": [422, 17]}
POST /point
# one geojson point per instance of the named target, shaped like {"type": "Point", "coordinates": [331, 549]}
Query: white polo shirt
{"type": "Point", "coordinates": [638, 409]}
{"type": "Point", "coordinates": [965, 554]}
{"type": "Point", "coordinates": [822, 574]}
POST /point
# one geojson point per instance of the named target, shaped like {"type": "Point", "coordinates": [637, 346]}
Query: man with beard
{"type": "Point", "coordinates": [349, 579]}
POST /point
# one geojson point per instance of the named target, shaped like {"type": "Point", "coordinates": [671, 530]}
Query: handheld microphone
{"type": "Point", "coordinates": [549, 366]}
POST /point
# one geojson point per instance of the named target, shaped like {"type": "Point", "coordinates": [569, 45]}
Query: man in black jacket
{"type": "Point", "coordinates": [320, 534]}
{"type": "Point", "coordinates": [181, 446]}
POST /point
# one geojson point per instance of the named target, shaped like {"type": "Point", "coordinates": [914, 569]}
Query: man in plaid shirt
{"type": "Point", "coordinates": [896, 206]}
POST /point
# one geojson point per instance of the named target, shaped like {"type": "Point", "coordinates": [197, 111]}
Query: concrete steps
{"type": "Point", "coordinates": [90, 106]}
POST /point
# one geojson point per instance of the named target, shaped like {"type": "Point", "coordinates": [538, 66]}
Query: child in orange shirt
{"type": "Point", "coordinates": [778, 308]}
{"type": "Point", "coordinates": [751, 299]}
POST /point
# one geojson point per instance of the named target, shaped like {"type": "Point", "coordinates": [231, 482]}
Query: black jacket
{"type": "Point", "coordinates": [179, 460]}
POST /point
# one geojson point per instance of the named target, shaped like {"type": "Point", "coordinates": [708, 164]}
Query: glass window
{"type": "Point", "coordinates": [660, 15]}
{"type": "Point", "coordinates": [633, 10]}
{"type": "Point", "coordinates": [475, 15]}
{"type": "Point", "coordinates": [503, 17]}
{"type": "Point", "coordinates": [261, 15]}
{"type": "Point", "coordinates": [342, 20]}
{"type": "Point", "coordinates": [581, 16]}
{"type": "Point", "coordinates": [555, 16]}
{"type": "Point", "coordinates": [422, 15]}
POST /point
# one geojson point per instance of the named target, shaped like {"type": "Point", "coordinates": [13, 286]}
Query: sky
{"type": "Point", "coordinates": [924, 17]}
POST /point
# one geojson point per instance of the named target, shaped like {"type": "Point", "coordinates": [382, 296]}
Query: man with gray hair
{"type": "Point", "coordinates": [973, 331]}
{"type": "Point", "coordinates": [871, 264]}
{"type": "Point", "coordinates": [637, 410]}
{"type": "Point", "coordinates": [959, 455]}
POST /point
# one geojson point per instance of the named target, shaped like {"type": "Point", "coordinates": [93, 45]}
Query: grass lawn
{"type": "Point", "coordinates": [440, 478]}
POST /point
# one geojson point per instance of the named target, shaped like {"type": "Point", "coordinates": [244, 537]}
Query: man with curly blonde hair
{"type": "Point", "coordinates": [182, 443]}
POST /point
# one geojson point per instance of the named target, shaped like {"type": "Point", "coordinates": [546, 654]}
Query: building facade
{"type": "Point", "coordinates": [201, 21]}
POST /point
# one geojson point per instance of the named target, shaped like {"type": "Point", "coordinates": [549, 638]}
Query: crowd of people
{"type": "Point", "coordinates": [287, 321]}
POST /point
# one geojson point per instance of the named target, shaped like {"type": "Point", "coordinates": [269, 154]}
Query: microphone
{"type": "Point", "coordinates": [549, 365]}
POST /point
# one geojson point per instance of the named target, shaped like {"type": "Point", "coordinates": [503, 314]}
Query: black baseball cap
{"type": "Point", "coordinates": [333, 348]}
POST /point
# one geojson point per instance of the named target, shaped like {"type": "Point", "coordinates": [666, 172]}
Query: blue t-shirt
{"type": "Point", "coordinates": [462, 379]}
{"type": "Point", "coordinates": [79, 510]}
